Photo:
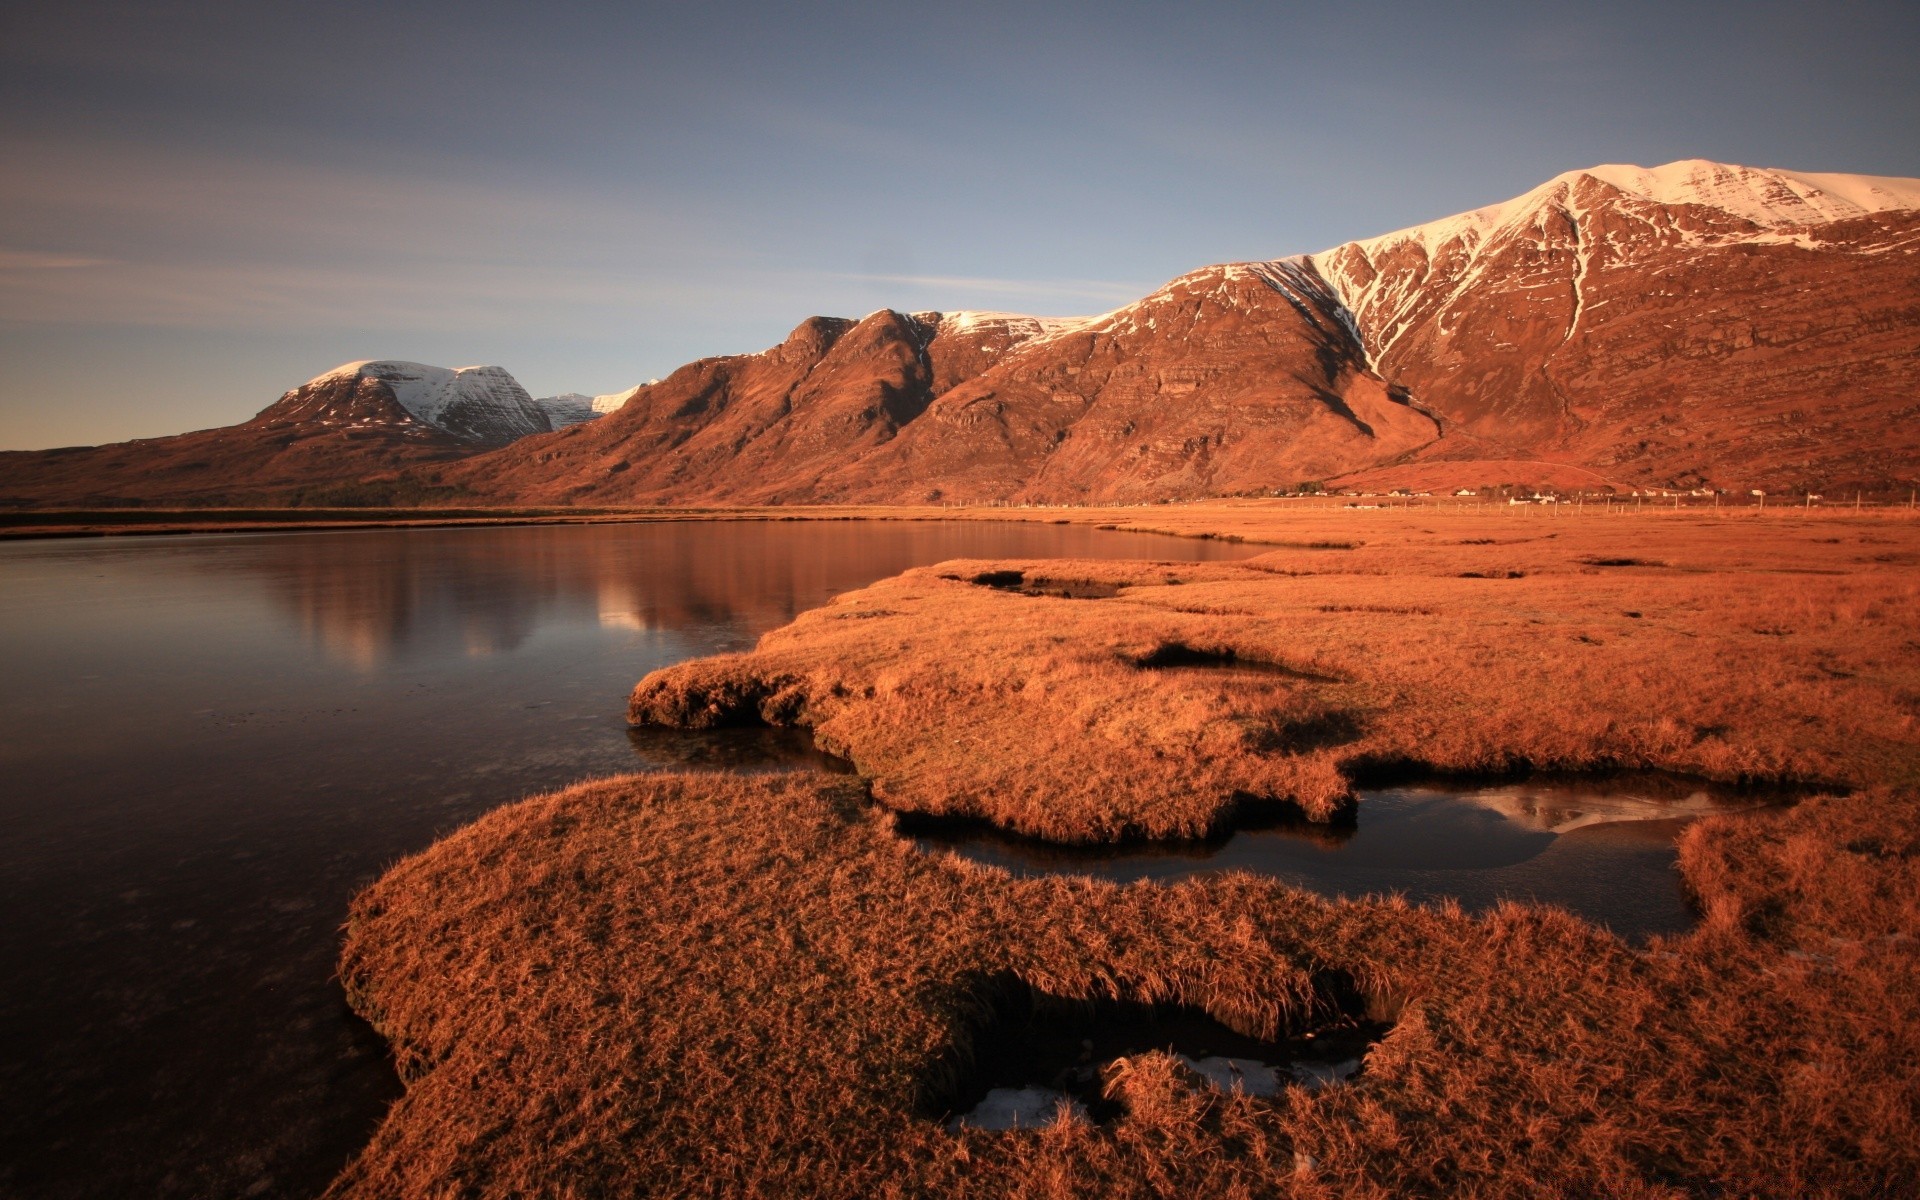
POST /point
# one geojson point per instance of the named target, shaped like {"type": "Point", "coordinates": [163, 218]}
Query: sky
{"type": "Point", "coordinates": [202, 205]}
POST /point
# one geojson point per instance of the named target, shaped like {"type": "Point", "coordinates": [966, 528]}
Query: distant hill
{"type": "Point", "coordinates": [358, 421]}
{"type": "Point", "coordinates": [1695, 324]}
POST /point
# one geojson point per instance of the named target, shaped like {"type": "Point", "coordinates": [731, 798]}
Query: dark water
{"type": "Point", "coordinates": [1601, 848]}
{"type": "Point", "coordinates": [208, 744]}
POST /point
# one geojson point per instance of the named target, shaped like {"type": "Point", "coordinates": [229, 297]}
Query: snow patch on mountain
{"type": "Point", "coordinates": [1388, 280]}
{"type": "Point", "coordinates": [1769, 197]}
{"type": "Point", "coordinates": [1772, 199]}
{"type": "Point", "coordinates": [568, 408]}
{"type": "Point", "coordinates": [483, 404]}
{"type": "Point", "coordinates": [615, 401]}
{"type": "Point", "coordinates": [1019, 325]}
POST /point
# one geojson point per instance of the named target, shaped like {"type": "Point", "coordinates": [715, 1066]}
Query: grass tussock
{"type": "Point", "coordinates": [710, 986]}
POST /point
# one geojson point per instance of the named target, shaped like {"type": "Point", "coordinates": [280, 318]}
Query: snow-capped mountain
{"type": "Point", "coordinates": [1682, 205]}
{"type": "Point", "coordinates": [615, 401]}
{"type": "Point", "coordinates": [574, 408]}
{"type": "Point", "coordinates": [361, 421]}
{"type": "Point", "coordinates": [568, 408]}
{"type": "Point", "coordinates": [1686, 324]}
{"type": "Point", "coordinates": [484, 405]}
{"type": "Point", "coordinates": [1690, 324]}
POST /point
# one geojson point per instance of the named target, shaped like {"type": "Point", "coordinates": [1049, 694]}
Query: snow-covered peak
{"type": "Point", "coordinates": [1019, 325]}
{"type": "Point", "coordinates": [1769, 198]}
{"type": "Point", "coordinates": [615, 401]}
{"type": "Point", "coordinates": [425, 391]}
{"type": "Point", "coordinates": [568, 408]}
{"type": "Point", "coordinates": [478, 403]}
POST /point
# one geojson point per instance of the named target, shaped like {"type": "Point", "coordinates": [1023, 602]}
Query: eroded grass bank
{"type": "Point", "coordinates": [708, 985]}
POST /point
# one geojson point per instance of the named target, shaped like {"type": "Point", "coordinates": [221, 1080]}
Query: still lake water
{"type": "Point", "coordinates": [209, 743]}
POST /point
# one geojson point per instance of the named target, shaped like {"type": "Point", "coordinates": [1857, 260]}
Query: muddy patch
{"type": "Point", "coordinates": [1029, 1056]}
{"type": "Point", "coordinates": [1059, 589]}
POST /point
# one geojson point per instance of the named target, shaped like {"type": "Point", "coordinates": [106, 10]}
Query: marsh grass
{"type": "Point", "coordinates": [709, 985]}
{"type": "Point", "coordinates": [714, 986]}
{"type": "Point", "coordinates": [1059, 718]}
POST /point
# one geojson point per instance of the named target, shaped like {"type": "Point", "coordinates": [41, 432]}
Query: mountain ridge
{"type": "Point", "coordinates": [1689, 324]}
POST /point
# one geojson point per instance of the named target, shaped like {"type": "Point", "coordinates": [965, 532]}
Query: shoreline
{"type": "Point", "coordinates": [41, 524]}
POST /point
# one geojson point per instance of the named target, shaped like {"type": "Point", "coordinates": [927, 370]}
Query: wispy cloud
{"type": "Point", "coordinates": [201, 241]}
{"type": "Point", "coordinates": [38, 260]}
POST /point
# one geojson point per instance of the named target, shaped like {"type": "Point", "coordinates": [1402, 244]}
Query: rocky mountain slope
{"type": "Point", "coordinates": [572, 408]}
{"type": "Point", "coordinates": [1231, 378]}
{"type": "Point", "coordinates": [1690, 324]}
{"type": "Point", "coordinates": [1693, 323]}
{"type": "Point", "coordinates": [358, 421]}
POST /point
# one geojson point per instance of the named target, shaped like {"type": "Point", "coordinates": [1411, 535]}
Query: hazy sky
{"type": "Point", "coordinates": [204, 204]}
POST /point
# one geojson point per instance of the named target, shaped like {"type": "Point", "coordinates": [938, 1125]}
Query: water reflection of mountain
{"type": "Point", "coordinates": [376, 596]}
{"type": "Point", "coordinates": [1561, 808]}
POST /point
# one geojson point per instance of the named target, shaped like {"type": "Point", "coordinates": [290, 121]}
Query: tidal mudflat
{"type": "Point", "coordinates": [588, 991]}
{"type": "Point", "coordinates": [208, 744]}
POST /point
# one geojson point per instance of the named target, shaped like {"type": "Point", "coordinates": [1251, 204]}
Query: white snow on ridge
{"type": "Point", "coordinates": [426, 391]}
{"type": "Point", "coordinates": [615, 401]}
{"type": "Point", "coordinates": [1388, 287]}
{"type": "Point", "coordinates": [1770, 198]}
{"type": "Point", "coordinates": [480, 402]}
{"type": "Point", "coordinates": [1019, 325]}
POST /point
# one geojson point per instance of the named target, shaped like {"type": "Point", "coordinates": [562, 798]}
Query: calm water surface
{"type": "Point", "coordinates": [209, 743]}
{"type": "Point", "coordinates": [1602, 848]}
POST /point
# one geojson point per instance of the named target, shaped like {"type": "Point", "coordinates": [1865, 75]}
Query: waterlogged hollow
{"type": "Point", "coordinates": [1032, 1056]}
{"type": "Point", "coordinates": [1177, 657]}
{"type": "Point", "coordinates": [1601, 847]}
{"type": "Point", "coordinates": [1059, 589]}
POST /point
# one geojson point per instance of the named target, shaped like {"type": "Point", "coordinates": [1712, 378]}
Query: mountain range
{"type": "Point", "coordinates": [1694, 324]}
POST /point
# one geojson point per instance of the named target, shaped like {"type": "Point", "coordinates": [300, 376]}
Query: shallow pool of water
{"type": "Point", "coordinates": [1602, 848]}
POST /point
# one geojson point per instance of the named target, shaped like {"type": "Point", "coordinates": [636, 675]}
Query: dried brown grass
{"type": "Point", "coordinates": [709, 986]}
{"type": "Point", "coordinates": [1031, 710]}
{"type": "Point", "coordinates": [714, 986]}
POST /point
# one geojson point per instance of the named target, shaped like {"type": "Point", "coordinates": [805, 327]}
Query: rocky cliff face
{"type": "Point", "coordinates": [1224, 380]}
{"type": "Point", "coordinates": [756, 427]}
